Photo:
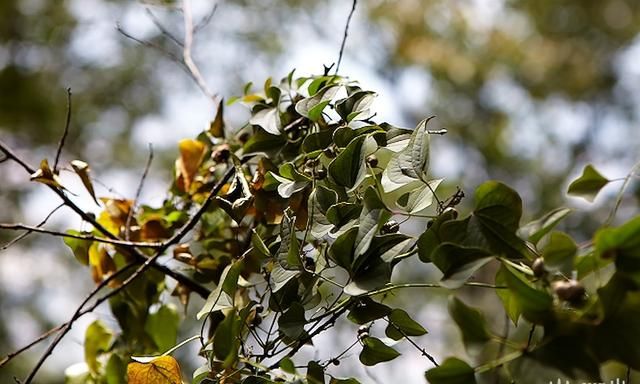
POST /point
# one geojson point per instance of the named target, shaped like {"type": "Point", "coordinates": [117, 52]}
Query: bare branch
{"type": "Point", "coordinates": [28, 232]}
{"type": "Point", "coordinates": [29, 228]}
{"type": "Point", "coordinates": [186, 54]}
{"type": "Point", "coordinates": [188, 282]}
{"type": "Point", "coordinates": [127, 226]}
{"type": "Point", "coordinates": [162, 29]}
{"type": "Point", "coordinates": [64, 133]}
{"type": "Point", "coordinates": [346, 34]}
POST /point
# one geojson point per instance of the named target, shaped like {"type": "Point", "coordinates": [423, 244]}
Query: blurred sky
{"type": "Point", "coordinates": [186, 111]}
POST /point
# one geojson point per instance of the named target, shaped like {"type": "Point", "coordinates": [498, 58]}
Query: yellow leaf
{"type": "Point", "coordinates": [45, 175]}
{"type": "Point", "coordinates": [162, 370]}
{"type": "Point", "coordinates": [82, 170]}
{"type": "Point", "coordinates": [102, 265]}
{"type": "Point", "coordinates": [191, 155]}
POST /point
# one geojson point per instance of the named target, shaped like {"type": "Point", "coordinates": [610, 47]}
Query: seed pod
{"type": "Point", "coordinates": [390, 226]}
{"type": "Point", "coordinates": [538, 267]}
{"type": "Point", "coordinates": [335, 362]}
{"type": "Point", "coordinates": [321, 173]}
{"type": "Point", "coordinates": [572, 291]}
{"type": "Point", "coordinates": [329, 152]}
{"type": "Point", "coordinates": [221, 153]}
{"type": "Point", "coordinates": [372, 160]}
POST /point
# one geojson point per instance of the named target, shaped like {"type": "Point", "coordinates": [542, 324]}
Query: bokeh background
{"type": "Point", "coordinates": [529, 90]}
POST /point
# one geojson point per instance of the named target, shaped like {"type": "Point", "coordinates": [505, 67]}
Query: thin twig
{"type": "Point", "coordinates": [28, 232]}
{"type": "Point", "coordinates": [52, 331]}
{"type": "Point", "coordinates": [188, 282]}
{"type": "Point", "coordinates": [132, 209]}
{"type": "Point", "coordinates": [346, 34]}
{"type": "Point", "coordinates": [171, 56]}
{"type": "Point", "coordinates": [38, 229]}
{"type": "Point", "coordinates": [419, 348]}
{"type": "Point", "coordinates": [141, 269]}
{"type": "Point", "coordinates": [65, 328]}
{"type": "Point", "coordinates": [5, 360]}
{"type": "Point", "coordinates": [64, 133]}
{"type": "Point", "coordinates": [205, 20]}
{"type": "Point", "coordinates": [161, 27]}
{"type": "Point", "coordinates": [186, 53]}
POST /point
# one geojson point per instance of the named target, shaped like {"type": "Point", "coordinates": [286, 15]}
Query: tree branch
{"type": "Point", "coordinates": [191, 284]}
{"type": "Point", "coordinates": [186, 53]}
{"type": "Point", "coordinates": [141, 269]}
{"type": "Point", "coordinates": [64, 133]}
{"type": "Point", "coordinates": [346, 34]}
{"type": "Point", "coordinates": [28, 232]}
{"type": "Point", "coordinates": [38, 229]}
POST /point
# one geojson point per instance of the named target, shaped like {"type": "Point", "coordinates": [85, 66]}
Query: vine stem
{"type": "Point", "coordinates": [620, 194]}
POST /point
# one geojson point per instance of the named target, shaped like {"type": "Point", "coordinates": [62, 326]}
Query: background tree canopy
{"type": "Point", "coordinates": [529, 91]}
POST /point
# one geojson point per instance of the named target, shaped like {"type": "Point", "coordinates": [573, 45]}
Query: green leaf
{"type": "Point", "coordinates": [162, 326]}
{"type": "Point", "coordinates": [401, 324]}
{"type": "Point", "coordinates": [79, 247]}
{"type": "Point", "coordinates": [287, 365]}
{"type": "Point", "coordinates": [225, 339]}
{"type": "Point", "coordinates": [431, 238]}
{"type": "Point", "coordinates": [341, 251]}
{"type": "Point", "coordinates": [535, 230]}
{"type": "Point", "coordinates": [312, 107]}
{"type": "Point", "coordinates": [451, 371]}
{"type": "Point", "coordinates": [348, 168]}
{"type": "Point", "coordinates": [367, 310]}
{"type": "Point", "coordinates": [315, 373]}
{"type": "Point", "coordinates": [535, 305]}
{"type": "Point", "coordinates": [622, 244]}
{"type": "Point", "coordinates": [413, 161]}
{"type": "Point", "coordinates": [496, 202]}
{"type": "Point", "coordinates": [375, 274]}
{"type": "Point", "coordinates": [588, 184]}
{"type": "Point", "coordinates": [374, 351]}
{"type": "Point", "coordinates": [268, 119]}
{"type": "Point", "coordinates": [356, 105]}
{"type": "Point", "coordinates": [97, 340]}
{"type": "Point", "coordinates": [288, 254]}
{"type": "Point", "coordinates": [508, 299]}
{"type": "Point", "coordinates": [458, 263]}
{"type": "Point", "coordinates": [291, 323]}
{"type": "Point", "coordinates": [470, 321]}
{"type": "Point", "coordinates": [222, 297]}
{"type": "Point", "coordinates": [559, 253]}
{"type": "Point", "coordinates": [264, 142]}
{"type": "Point", "coordinates": [116, 370]}
{"type": "Point", "coordinates": [279, 277]}
{"type": "Point", "coordinates": [498, 210]}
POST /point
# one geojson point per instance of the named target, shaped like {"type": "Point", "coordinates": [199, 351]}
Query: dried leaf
{"type": "Point", "coordinates": [216, 129]}
{"type": "Point", "coordinates": [45, 175]}
{"type": "Point", "coordinates": [82, 170]}
{"type": "Point", "coordinates": [161, 370]}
